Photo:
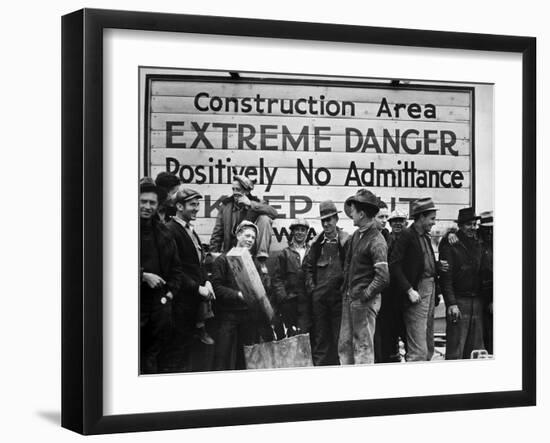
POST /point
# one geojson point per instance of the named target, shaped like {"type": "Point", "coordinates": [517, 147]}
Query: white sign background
{"type": "Point", "coordinates": [125, 392]}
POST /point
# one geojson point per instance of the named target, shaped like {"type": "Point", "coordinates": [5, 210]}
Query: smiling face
{"type": "Point", "coordinates": [427, 221]}
{"type": "Point", "coordinates": [246, 238]}
{"type": "Point", "coordinates": [299, 234]}
{"type": "Point", "coordinates": [397, 224]}
{"type": "Point", "coordinates": [148, 204]}
{"type": "Point", "coordinates": [469, 228]}
{"type": "Point", "coordinates": [188, 210]}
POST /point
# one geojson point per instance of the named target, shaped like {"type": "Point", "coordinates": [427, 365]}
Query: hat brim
{"type": "Point", "coordinates": [350, 200]}
{"type": "Point", "coordinates": [322, 217]}
{"type": "Point", "coordinates": [295, 225]}
{"type": "Point", "coordinates": [423, 211]}
{"type": "Point", "coordinates": [466, 220]}
{"type": "Point", "coordinates": [397, 218]}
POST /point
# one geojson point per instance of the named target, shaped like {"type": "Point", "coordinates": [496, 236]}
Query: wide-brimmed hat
{"type": "Point", "coordinates": [422, 205]}
{"type": "Point", "coordinates": [299, 222]}
{"type": "Point", "coordinates": [398, 214]}
{"type": "Point", "coordinates": [486, 218]}
{"type": "Point", "coordinates": [327, 209]}
{"type": "Point", "coordinates": [466, 215]}
{"type": "Point", "coordinates": [363, 197]}
{"type": "Point", "coordinates": [186, 194]}
{"type": "Point", "coordinates": [246, 183]}
{"type": "Point", "coordinates": [246, 224]}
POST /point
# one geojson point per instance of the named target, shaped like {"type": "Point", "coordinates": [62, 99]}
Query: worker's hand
{"type": "Point", "coordinates": [153, 280]}
{"type": "Point", "coordinates": [210, 288]}
{"type": "Point", "coordinates": [414, 296]}
{"type": "Point", "coordinates": [453, 313]}
{"type": "Point", "coordinates": [443, 265]}
{"type": "Point", "coordinates": [243, 200]}
{"type": "Point", "coordinates": [452, 238]}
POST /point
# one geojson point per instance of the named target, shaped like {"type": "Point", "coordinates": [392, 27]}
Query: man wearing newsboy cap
{"type": "Point", "coordinates": [365, 276]}
{"type": "Point", "coordinates": [461, 288]}
{"type": "Point", "coordinates": [242, 205]}
{"type": "Point", "coordinates": [414, 274]}
{"type": "Point", "coordinates": [323, 269]}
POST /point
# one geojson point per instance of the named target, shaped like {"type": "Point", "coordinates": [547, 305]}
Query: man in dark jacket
{"type": "Point", "coordinates": [414, 273]}
{"type": "Point", "coordinates": [366, 274]}
{"type": "Point", "coordinates": [242, 205]}
{"type": "Point", "coordinates": [192, 302]}
{"type": "Point", "coordinates": [461, 289]}
{"type": "Point", "coordinates": [289, 286]}
{"type": "Point", "coordinates": [389, 323]}
{"type": "Point", "coordinates": [161, 275]}
{"type": "Point", "coordinates": [323, 269]}
{"type": "Point", "coordinates": [240, 323]}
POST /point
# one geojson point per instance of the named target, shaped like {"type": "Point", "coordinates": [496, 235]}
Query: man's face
{"type": "Point", "coordinates": [148, 204]}
{"type": "Point", "coordinates": [246, 238]}
{"type": "Point", "coordinates": [427, 221]}
{"type": "Point", "coordinates": [469, 228]}
{"type": "Point", "coordinates": [299, 234]}
{"type": "Point", "coordinates": [382, 218]}
{"type": "Point", "coordinates": [397, 225]}
{"type": "Point", "coordinates": [188, 210]}
{"type": "Point", "coordinates": [329, 225]}
{"type": "Point", "coordinates": [356, 215]}
{"type": "Point", "coordinates": [237, 188]}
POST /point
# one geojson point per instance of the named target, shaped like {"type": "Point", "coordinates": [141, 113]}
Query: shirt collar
{"type": "Point", "coordinates": [183, 222]}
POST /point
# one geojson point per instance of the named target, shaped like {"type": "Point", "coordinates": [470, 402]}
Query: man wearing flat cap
{"type": "Point", "coordinates": [414, 273]}
{"type": "Point", "coordinates": [289, 282]}
{"type": "Point", "coordinates": [242, 205]}
{"type": "Point", "coordinates": [461, 288]}
{"type": "Point", "coordinates": [366, 274]}
{"type": "Point", "coordinates": [390, 326]}
{"type": "Point", "coordinates": [161, 278]}
{"type": "Point", "coordinates": [192, 304]}
{"type": "Point", "coordinates": [323, 269]}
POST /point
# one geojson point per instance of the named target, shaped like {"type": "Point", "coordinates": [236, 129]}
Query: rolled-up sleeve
{"type": "Point", "coordinates": [379, 256]}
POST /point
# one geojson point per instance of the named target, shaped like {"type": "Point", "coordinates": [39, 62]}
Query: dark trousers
{"type": "Point", "coordinates": [389, 328]}
{"type": "Point", "coordinates": [466, 334]}
{"type": "Point", "coordinates": [235, 330]}
{"type": "Point", "coordinates": [177, 355]}
{"type": "Point", "coordinates": [327, 316]}
{"type": "Point", "coordinates": [155, 331]}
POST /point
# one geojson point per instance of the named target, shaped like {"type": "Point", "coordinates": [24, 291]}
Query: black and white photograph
{"type": "Point", "coordinates": [293, 221]}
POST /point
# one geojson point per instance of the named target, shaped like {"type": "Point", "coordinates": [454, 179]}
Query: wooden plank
{"type": "Point", "coordinates": [374, 95]}
{"type": "Point", "coordinates": [288, 159]}
{"type": "Point", "coordinates": [296, 124]}
{"type": "Point", "coordinates": [290, 175]}
{"type": "Point", "coordinates": [158, 139]}
{"type": "Point", "coordinates": [249, 281]}
{"type": "Point", "coordinates": [363, 110]}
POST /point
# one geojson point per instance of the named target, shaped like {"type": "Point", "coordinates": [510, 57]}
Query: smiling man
{"type": "Point", "coordinates": [414, 274]}
{"type": "Point", "coordinates": [323, 269]}
{"type": "Point", "coordinates": [461, 288]}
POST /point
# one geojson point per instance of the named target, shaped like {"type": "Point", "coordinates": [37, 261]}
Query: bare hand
{"type": "Point", "coordinates": [243, 200]}
{"type": "Point", "coordinates": [204, 292]}
{"type": "Point", "coordinates": [414, 296]}
{"type": "Point", "coordinates": [453, 313]}
{"type": "Point", "coordinates": [452, 238]}
{"type": "Point", "coordinates": [153, 280]}
{"type": "Point", "coordinates": [169, 295]}
{"type": "Point", "coordinates": [210, 288]}
{"type": "Point", "coordinates": [443, 265]}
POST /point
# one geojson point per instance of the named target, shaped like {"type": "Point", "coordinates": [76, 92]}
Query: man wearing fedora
{"type": "Point", "coordinates": [323, 269]}
{"type": "Point", "coordinates": [390, 326]}
{"type": "Point", "coordinates": [242, 205]}
{"type": "Point", "coordinates": [289, 285]}
{"type": "Point", "coordinates": [461, 288]}
{"type": "Point", "coordinates": [161, 277]}
{"type": "Point", "coordinates": [414, 274]}
{"type": "Point", "coordinates": [192, 304]}
{"type": "Point", "coordinates": [366, 274]}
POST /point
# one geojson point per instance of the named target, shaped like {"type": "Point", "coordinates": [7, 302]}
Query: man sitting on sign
{"type": "Point", "coordinates": [240, 323]}
{"type": "Point", "coordinates": [242, 205]}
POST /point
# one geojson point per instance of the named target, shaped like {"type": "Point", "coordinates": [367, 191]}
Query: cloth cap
{"type": "Point", "coordinates": [147, 184]}
{"type": "Point", "coordinates": [246, 183]}
{"type": "Point", "coordinates": [396, 214]}
{"type": "Point", "coordinates": [185, 194]}
{"type": "Point", "coordinates": [299, 222]}
{"type": "Point", "coordinates": [246, 224]}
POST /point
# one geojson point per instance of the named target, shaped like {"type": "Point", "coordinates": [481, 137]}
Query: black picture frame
{"type": "Point", "coordinates": [82, 230]}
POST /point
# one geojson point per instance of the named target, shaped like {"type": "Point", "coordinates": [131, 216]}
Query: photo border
{"type": "Point", "coordinates": [82, 220]}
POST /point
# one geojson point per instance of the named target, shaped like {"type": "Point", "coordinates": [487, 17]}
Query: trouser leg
{"type": "Point", "coordinates": [265, 232]}
{"type": "Point", "coordinates": [363, 320]}
{"type": "Point", "coordinates": [416, 325]}
{"type": "Point", "coordinates": [226, 342]}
